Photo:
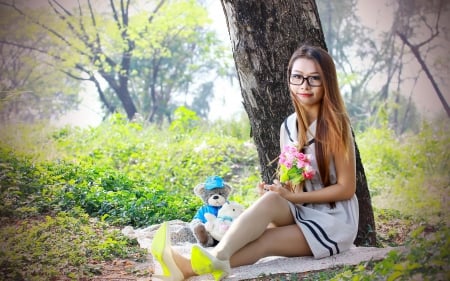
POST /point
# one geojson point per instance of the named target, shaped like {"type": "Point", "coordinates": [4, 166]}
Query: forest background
{"type": "Point", "coordinates": [76, 185]}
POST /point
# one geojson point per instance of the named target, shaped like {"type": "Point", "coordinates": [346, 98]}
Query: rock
{"type": "Point", "coordinates": [180, 233]}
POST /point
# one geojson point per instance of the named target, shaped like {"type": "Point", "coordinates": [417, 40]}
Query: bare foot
{"type": "Point", "coordinates": [184, 264]}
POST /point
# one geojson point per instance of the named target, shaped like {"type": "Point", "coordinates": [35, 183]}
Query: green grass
{"type": "Point", "coordinates": [46, 247]}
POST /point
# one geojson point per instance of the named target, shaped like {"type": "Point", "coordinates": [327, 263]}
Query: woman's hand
{"type": "Point", "coordinates": [279, 188]}
{"type": "Point", "coordinates": [286, 191]}
{"type": "Point", "coordinates": [261, 188]}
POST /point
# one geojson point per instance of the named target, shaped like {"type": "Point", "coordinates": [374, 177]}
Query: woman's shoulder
{"type": "Point", "coordinates": [290, 120]}
{"type": "Point", "coordinates": [292, 117]}
{"type": "Point", "coordinates": [288, 130]}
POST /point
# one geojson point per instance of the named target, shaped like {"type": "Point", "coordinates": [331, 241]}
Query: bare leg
{"type": "Point", "coordinates": [290, 243]}
{"type": "Point", "coordinates": [249, 238]}
{"type": "Point", "coordinates": [248, 227]}
{"type": "Point", "coordinates": [184, 264]}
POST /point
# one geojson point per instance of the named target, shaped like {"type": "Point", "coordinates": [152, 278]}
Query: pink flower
{"type": "Point", "coordinates": [294, 165]}
{"type": "Point", "coordinates": [309, 172]}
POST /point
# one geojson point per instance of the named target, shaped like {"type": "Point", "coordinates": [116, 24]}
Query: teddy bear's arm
{"type": "Point", "coordinates": [210, 219]}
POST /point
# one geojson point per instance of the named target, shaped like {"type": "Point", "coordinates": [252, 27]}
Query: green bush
{"type": "Point", "coordinates": [30, 189]}
{"type": "Point", "coordinates": [127, 173]}
{"type": "Point", "coordinates": [408, 173]}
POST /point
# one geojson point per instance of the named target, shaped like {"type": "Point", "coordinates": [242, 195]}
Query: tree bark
{"type": "Point", "coordinates": [264, 34]}
{"type": "Point", "coordinates": [367, 235]}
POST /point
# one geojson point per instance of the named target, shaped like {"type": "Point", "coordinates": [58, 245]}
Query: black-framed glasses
{"type": "Point", "coordinates": [313, 81]}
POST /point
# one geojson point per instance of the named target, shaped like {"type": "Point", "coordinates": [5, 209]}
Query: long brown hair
{"type": "Point", "coordinates": [333, 133]}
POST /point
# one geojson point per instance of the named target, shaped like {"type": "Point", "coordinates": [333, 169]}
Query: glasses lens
{"type": "Point", "coordinates": [312, 81]}
{"type": "Point", "coordinates": [297, 79]}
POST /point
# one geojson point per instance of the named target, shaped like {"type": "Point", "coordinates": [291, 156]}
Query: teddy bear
{"type": "Point", "coordinates": [218, 225]}
{"type": "Point", "coordinates": [214, 193]}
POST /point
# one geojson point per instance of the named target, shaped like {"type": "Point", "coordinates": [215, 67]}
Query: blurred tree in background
{"type": "Point", "coordinates": [29, 89]}
{"type": "Point", "coordinates": [151, 56]}
{"type": "Point", "coordinates": [143, 57]}
{"type": "Point", "coordinates": [377, 68]}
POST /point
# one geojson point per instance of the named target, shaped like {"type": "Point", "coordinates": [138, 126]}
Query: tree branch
{"type": "Point", "coordinates": [71, 28]}
{"type": "Point", "coordinates": [19, 45]}
{"type": "Point", "coordinates": [115, 15]}
{"type": "Point", "coordinates": [415, 51]}
{"type": "Point", "coordinates": [103, 98]}
{"type": "Point", "coordinates": [98, 49]}
{"type": "Point", "coordinates": [45, 27]}
{"type": "Point", "coordinates": [60, 6]}
{"type": "Point", "coordinates": [150, 19]}
{"type": "Point", "coordinates": [94, 24]}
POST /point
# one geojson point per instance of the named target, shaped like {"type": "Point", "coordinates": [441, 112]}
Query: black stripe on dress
{"type": "Point", "coordinates": [287, 130]}
{"type": "Point", "coordinates": [289, 134]}
{"type": "Point", "coordinates": [305, 222]}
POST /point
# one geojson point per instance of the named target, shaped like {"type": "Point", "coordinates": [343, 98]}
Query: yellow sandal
{"type": "Point", "coordinates": [161, 250]}
{"type": "Point", "coordinates": [203, 263]}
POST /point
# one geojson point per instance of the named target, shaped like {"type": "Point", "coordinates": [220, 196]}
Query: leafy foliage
{"type": "Point", "coordinates": [124, 173]}
{"type": "Point", "coordinates": [426, 257]}
{"type": "Point", "coordinates": [151, 54]}
{"type": "Point", "coordinates": [185, 121]}
{"type": "Point", "coordinates": [61, 187]}
{"type": "Point", "coordinates": [408, 173]}
{"type": "Point", "coordinates": [44, 249]}
{"type": "Point", "coordinates": [121, 173]}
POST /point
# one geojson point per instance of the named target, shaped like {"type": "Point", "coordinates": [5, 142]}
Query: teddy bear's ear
{"type": "Point", "coordinates": [228, 188]}
{"type": "Point", "coordinates": [199, 189]}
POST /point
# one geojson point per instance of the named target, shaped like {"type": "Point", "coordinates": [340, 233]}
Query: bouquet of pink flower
{"type": "Point", "coordinates": [295, 166]}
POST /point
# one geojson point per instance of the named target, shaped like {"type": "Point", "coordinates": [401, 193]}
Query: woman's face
{"type": "Point", "coordinates": [306, 71]}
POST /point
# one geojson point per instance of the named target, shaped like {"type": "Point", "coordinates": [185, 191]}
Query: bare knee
{"type": "Point", "coordinates": [264, 245]}
{"type": "Point", "coordinates": [272, 198]}
{"type": "Point", "coordinates": [290, 242]}
{"type": "Point", "coordinates": [252, 252]}
{"type": "Point", "coordinates": [276, 208]}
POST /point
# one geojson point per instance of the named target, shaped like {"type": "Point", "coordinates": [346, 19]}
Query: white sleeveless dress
{"type": "Point", "coordinates": [328, 231]}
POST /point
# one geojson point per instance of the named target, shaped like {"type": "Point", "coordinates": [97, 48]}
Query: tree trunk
{"type": "Point", "coordinates": [127, 102]}
{"type": "Point", "coordinates": [122, 92]}
{"type": "Point", "coordinates": [264, 34]}
{"type": "Point", "coordinates": [367, 235]}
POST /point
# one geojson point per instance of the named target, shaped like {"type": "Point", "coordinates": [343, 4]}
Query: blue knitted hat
{"type": "Point", "coordinates": [214, 182]}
